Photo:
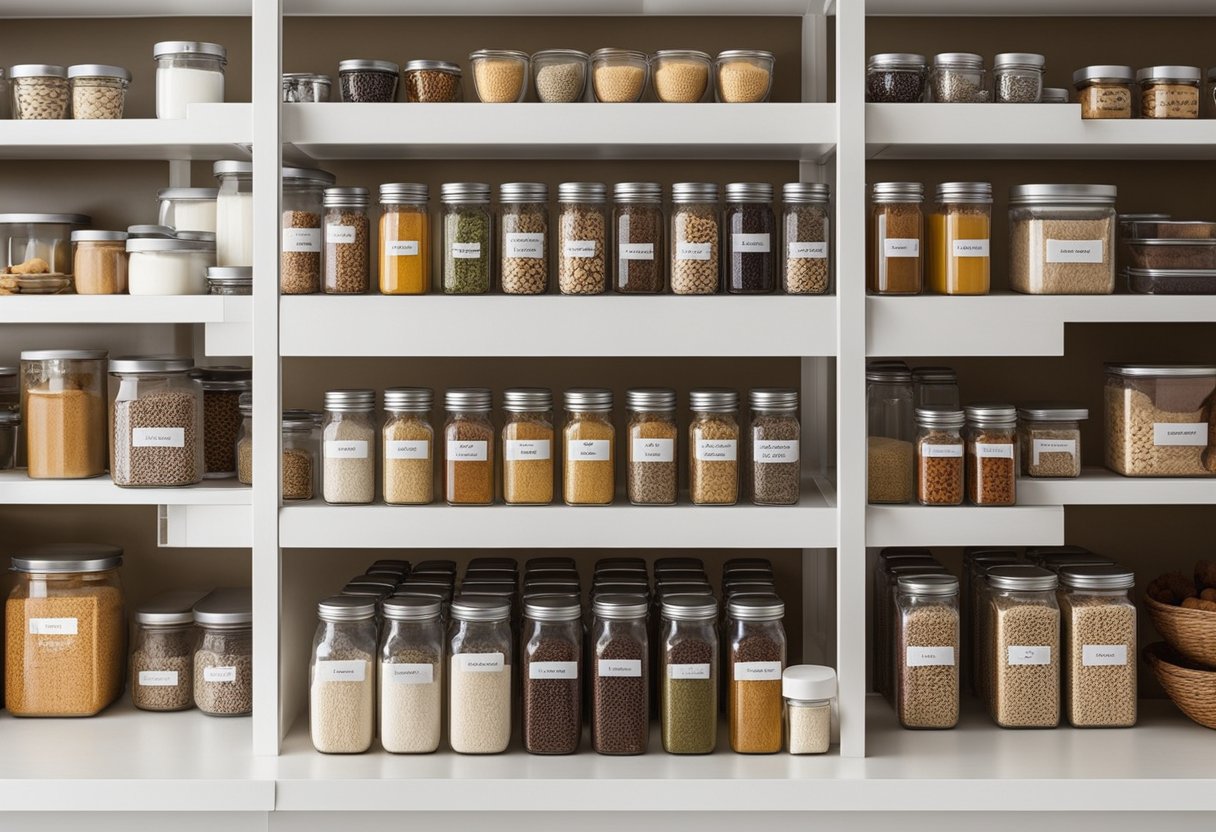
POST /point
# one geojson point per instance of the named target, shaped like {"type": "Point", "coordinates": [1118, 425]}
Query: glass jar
{"type": "Point", "coordinates": [36, 246]}
{"type": "Point", "coordinates": [1104, 91]}
{"type": "Point", "coordinates": [234, 214]}
{"type": "Point", "coordinates": [305, 88]}
{"type": "Point", "coordinates": [1017, 78]}
{"type": "Point", "coordinates": [63, 402]}
{"type": "Point", "coordinates": [223, 662]}
{"type": "Point", "coordinates": [342, 676]}
{"type": "Point", "coordinates": [895, 78]}
{"type": "Point", "coordinates": [411, 674]}
{"type": "Point", "coordinates": [10, 423]}
{"type": "Point", "coordinates": [749, 220]}
{"type": "Point", "coordinates": [588, 475]}
{"type": "Point", "coordinates": [559, 75]}
{"type": "Point", "coordinates": [405, 239]}
{"type": "Point", "coordinates": [695, 234]}
{"type": "Point", "coordinates": [619, 75]}
{"type": "Point", "coordinates": [1099, 618]}
{"type": "Point", "coordinates": [582, 236]}
{"type": "Point", "coordinates": [958, 78]}
{"type": "Point", "coordinates": [66, 631]}
{"type": "Point", "coordinates": [348, 442]}
{"type": "Point", "coordinates": [897, 235]}
{"type": "Point", "coordinates": [776, 471]}
{"type": "Point", "coordinates": [755, 662]}
{"type": "Point", "coordinates": [884, 618]}
{"type": "Point", "coordinates": [1169, 91]}
{"type": "Point", "coordinates": [300, 260]}
{"type": "Point", "coordinates": [688, 668]}
{"type": "Point", "coordinates": [479, 687]}
{"type": "Point", "coordinates": [808, 690]}
{"type": "Point", "coordinates": [1049, 437]}
{"type": "Point", "coordinates": [432, 82]}
{"type": "Point", "coordinates": [959, 239]}
{"type": "Point", "coordinates": [653, 475]}
{"type": "Point", "coordinates": [620, 673]}
{"type": "Point", "coordinates": [159, 266]}
{"type": "Point", "coordinates": [1054, 95]}
{"type": "Point", "coordinates": [523, 222]}
{"type": "Point", "coordinates": [244, 441]}
{"type": "Point", "coordinates": [162, 655]}
{"type": "Point", "coordinates": [744, 76]}
{"type": "Point", "coordinates": [229, 280]}
{"type": "Point", "coordinates": [1022, 635]}
{"type": "Point", "coordinates": [939, 456]}
{"type": "Point", "coordinates": [681, 76]}
{"type": "Point", "coordinates": [551, 643]}
{"type": "Point", "coordinates": [100, 262]}
{"type": "Point", "coordinates": [1156, 420]}
{"type": "Point", "coordinates": [500, 76]}
{"type": "Point", "coordinates": [299, 444]}
{"type": "Point", "coordinates": [889, 426]}
{"type": "Point", "coordinates": [974, 585]}
{"type": "Point", "coordinates": [927, 651]}
{"type": "Point", "coordinates": [368, 81]}
{"type": "Point", "coordinates": [713, 440]}
{"type": "Point", "coordinates": [991, 454]}
{"type": "Point", "coordinates": [638, 225]}
{"type": "Point", "coordinates": [222, 389]}
{"type": "Point", "coordinates": [527, 447]}
{"type": "Point", "coordinates": [157, 420]}
{"type": "Point", "coordinates": [346, 235]}
{"type": "Point", "coordinates": [188, 72]}
{"type": "Point", "coordinates": [935, 386]}
{"type": "Point", "coordinates": [469, 448]}
{"type": "Point", "coordinates": [806, 228]}
{"type": "Point", "coordinates": [40, 91]}
{"type": "Point", "coordinates": [408, 442]}
{"type": "Point", "coordinates": [188, 209]}
{"type": "Point", "coordinates": [1062, 239]}
{"type": "Point", "coordinates": [466, 238]}
{"type": "Point", "coordinates": [98, 91]}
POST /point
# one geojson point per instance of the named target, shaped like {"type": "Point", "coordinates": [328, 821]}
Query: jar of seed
{"type": "Point", "coordinates": [653, 474]}
{"type": "Point", "coordinates": [527, 446]}
{"type": "Point", "coordinates": [1022, 635]}
{"type": "Point", "coordinates": [958, 78]}
{"type": "Point", "coordinates": [523, 223]}
{"type": "Point", "coordinates": [582, 259]}
{"type": "Point", "coordinates": [619, 75]}
{"type": "Point", "coordinates": [100, 262]}
{"type": "Point", "coordinates": [895, 78]}
{"type": "Point", "coordinates": [897, 235]}
{"type": "Point", "coordinates": [1018, 78]}
{"type": "Point", "coordinates": [300, 469]}
{"type": "Point", "coordinates": [891, 434]}
{"type": "Point", "coordinates": [688, 668]}
{"type": "Point", "coordinates": [466, 238]}
{"type": "Point", "coordinates": [407, 442]}
{"type": "Point", "coordinates": [755, 661]}
{"type": "Point", "coordinates": [230, 280]}
{"type": "Point", "coordinates": [776, 471]}
{"type": "Point", "coordinates": [1104, 91]}
{"type": "Point", "coordinates": [156, 417]}
{"type": "Point", "coordinates": [346, 241]}
{"type": "Point", "coordinates": [638, 224]}
{"type": "Point", "coordinates": [1049, 438]}
{"type": "Point", "coordinates": [468, 447]}
{"type": "Point", "coordinates": [368, 81]}
{"type": "Point", "coordinates": [405, 239]}
{"type": "Point", "coordinates": [927, 651]}
{"type": "Point", "coordinates": [411, 674]}
{"type": "Point", "coordinates": [162, 654]}
{"type": "Point", "coordinates": [500, 76]}
{"type": "Point", "coordinates": [939, 456]}
{"type": "Point", "coordinates": [40, 91]}
{"type": "Point", "coordinates": [806, 228]}
{"type": "Point", "coordinates": [222, 390]}
{"type": "Point", "coordinates": [750, 226]}
{"type": "Point", "coordinates": [713, 441]}
{"type": "Point", "coordinates": [551, 649]}
{"type": "Point", "coordinates": [432, 82]}
{"type": "Point", "coordinates": [808, 690]}
{"type": "Point", "coordinates": [1099, 619]}
{"type": "Point", "coordinates": [991, 445]}
{"type": "Point", "coordinates": [681, 76]}
{"type": "Point", "coordinates": [960, 228]}
{"type": "Point", "coordinates": [590, 461]}
{"type": "Point", "coordinates": [695, 234]}
{"type": "Point", "coordinates": [223, 662]}
{"type": "Point", "coordinates": [620, 671]}
{"type": "Point", "coordinates": [1169, 91]}
{"type": "Point", "coordinates": [98, 91]}
{"type": "Point", "coordinates": [348, 441]}
{"type": "Point", "coordinates": [300, 261]}
{"type": "Point", "coordinates": [744, 76]}
{"type": "Point", "coordinates": [559, 75]}
{"type": "Point", "coordinates": [479, 686]}
{"type": "Point", "coordinates": [342, 676]}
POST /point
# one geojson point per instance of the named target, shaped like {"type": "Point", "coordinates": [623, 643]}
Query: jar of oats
{"type": "Point", "coordinates": [695, 235]}
{"type": "Point", "coordinates": [408, 445]}
{"type": "Point", "coordinates": [1022, 631]}
{"type": "Point", "coordinates": [1100, 645]}
{"type": "Point", "coordinates": [927, 651]}
{"type": "Point", "coordinates": [1049, 439]}
{"type": "Point", "coordinates": [713, 441]}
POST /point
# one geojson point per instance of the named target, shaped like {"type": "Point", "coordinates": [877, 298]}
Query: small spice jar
{"type": "Point", "coordinates": [368, 81]}
{"type": "Point", "coordinates": [652, 472]}
{"type": "Point", "coordinates": [222, 389]}
{"type": "Point", "coordinates": [1169, 91]}
{"type": "Point", "coordinates": [342, 676]}
{"type": "Point", "coordinates": [500, 76]}
{"type": "Point", "coordinates": [619, 75]}
{"type": "Point", "coordinates": [527, 446]}
{"type": "Point", "coordinates": [408, 441]}
{"type": "Point", "coordinates": [63, 403]}
{"type": "Point", "coordinates": [750, 226]}
{"type": "Point", "coordinates": [935, 386]}
{"type": "Point", "coordinates": [479, 686]}
{"type": "Point", "coordinates": [939, 456]}
{"type": "Point", "coordinates": [162, 654]}
{"type": "Point", "coordinates": [927, 651]}
{"type": "Point", "coordinates": [1104, 91]}
{"type": "Point", "coordinates": [755, 660]}
{"type": "Point", "coordinates": [469, 447]}
{"type": "Point", "coordinates": [523, 222]}
{"type": "Point", "coordinates": [897, 235]}
{"type": "Point", "coordinates": [590, 439]}
{"type": "Point", "coordinates": [808, 690]}
{"type": "Point", "coordinates": [190, 209]}
{"type": "Point", "coordinates": [98, 91]}
{"type": "Point", "coordinates": [713, 440]}
{"type": "Point", "coordinates": [806, 225]}
{"type": "Point", "coordinates": [346, 241]}
{"type": "Point", "coordinates": [432, 82]}
{"type": "Point", "coordinates": [638, 225]}
{"type": "Point", "coordinates": [229, 280]}
{"type": "Point", "coordinates": [695, 234]}
{"type": "Point", "coordinates": [100, 262]}
{"type": "Point", "coordinates": [1022, 641]}
{"type": "Point", "coordinates": [223, 662]}
{"type": "Point", "coordinates": [559, 75]}
{"type": "Point", "coordinates": [305, 88]}
{"type": "Point", "coordinates": [681, 76]}
{"type": "Point", "coordinates": [157, 420]}
{"type": "Point", "coordinates": [1018, 78]}
{"type": "Point", "coordinates": [551, 651]}
{"type": "Point", "coordinates": [582, 236]}
{"type": "Point", "coordinates": [348, 439]}
{"type": "Point", "coordinates": [405, 239]}
{"type": "Point", "coordinates": [40, 91]}
{"type": "Point", "coordinates": [188, 72]}
{"type": "Point", "coordinates": [991, 444]}
{"type": "Point", "coordinates": [960, 229]}
{"type": "Point", "coordinates": [688, 669]}
{"type": "Point", "coordinates": [895, 78]}
{"type": "Point", "coordinates": [744, 76]}
{"type": "Point", "coordinates": [891, 434]}
{"type": "Point", "coordinates": [776, 472]}
{"type": "Point", "coordinates": [411, 674]}
{"type": "Point", "coordinates": [300, 260]}
{"type": "Point", "coordinates": [466, 238]}
{"type": "Point", "coordinates": [1049, 437]}
{"type": "Point", "coordinates": [958, 78]}
{"type": "Point", "coordinates": [1099, 617]}
{"type": "Point", "coordinates": [620, 674]}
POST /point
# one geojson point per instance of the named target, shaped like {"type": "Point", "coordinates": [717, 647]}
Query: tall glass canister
{"type": "Point", "coordinates": [696, 231]}
{"type": "Point", "coordinates": [751, 229]}
{"type": "Point", "coordinates": [1023, 645]}
{"type": "Point", "coordinates": [589, 470]}
{"type": "Point", "coordinates": [468, 457]}
{"type": "Point", "coordinates": [755, 663]}
{"type": "Point", "coordinates": [405, 239]}
{"type": "Point", "coordinates": [467, 238]}
{"type": "Point", "coordinates": [638, 226]}
{"type": "Point", "coordinates": [347, 448]}
{"type": "Point", "coordinates": [582, 238]}
{"type": "Point", "coordinates": [479, 687]}
{"type": "Point", "coordinates": [688, 670]}
{"type": "Point", "coordinates": [342, 676]}
{"type": "Point", "coordinates": [523, 225]}
{"type": "Point", "coordinates": [713, 440]}
{"type": "Point", "coordinates": [551, 650]}
{"type": "Point", "coordinates": [411, 674]}
{"type": "Point", "coordinates": [890, 431]}
{"type": "Point", "coordinates": [527, 446]}
{"type": "Point", "coordinates": [652, 472]}
{"type": "Point", "coordinates": [806, 237]}
{"type": "Point", "coordinates": [300, 232]}
{"type": "Point", "coordinates": [1099, 617]}
{"type": "Point", "coordinates": [620, 674]}
{"type": "Point", "coordinates": [927, 651]}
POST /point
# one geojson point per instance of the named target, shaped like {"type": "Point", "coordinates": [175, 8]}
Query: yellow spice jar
{"type": "Point", "coordinates": [590, 461]}
{"type": "Point", "coordinates": [960, 232]}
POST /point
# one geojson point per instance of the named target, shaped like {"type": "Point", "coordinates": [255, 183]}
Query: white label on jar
{"type": "Point", "coordinates": [994, 450]}
{"type": "Point", "coordinates": [552, 670]}
{"type": "Point", "coordinates": [688, 671]}
{"type": "Point", "coordinates": [930, 656]}
{"type": "Point", "coordinates": [751, 243]}
{"type": "Point", "coordinates": [402, 248]}
{"type": "Point", "coordinates": [1099, 655]}
{"type": "Point", "coordinates": [932, 450]}
{"type": "Point", "coordinates": [53, 626]}
{"type": "Point", "coordinates": [693, 251]}
{"type": "Point", "coordinates": [717, 450]}
{"type": "Point", "coordinates": [466, 251]}
{"type": "Point", "coordinates": [588, 450]}
{"type": "Point", "coordinates": [301, 239]}
{"type": "Point", "coordinates": [158, 437]}
{"type": "Point", "coordinates": [1075, 251]}
{"type": "Point", "coordinates": [1053, 446]}
{"type": "Point", "coordinates": [654, 450]}
{"type": "Point", "coordinates": [219, 674]}
{"type": "Point", "coordinates": [769, 451]}
{"type": "Point", "coordinates": [757, 671]}
{"type": "Point", "coordinates": [901, 247]}
{"type": "Point", "coordinates": [809, 250]}
{"type": "Point", "coordinates": [407, 449]}
{"type": "Point", "coordinates": [340, 671]}
{"type": "Point", "coordinates": [157, 678]}
{"type": "Point", "coordinates": [518, 450]}
{"type": "Point", "coordinates": [346, 449]}
{"type": "Point", "coordinates": [579, 248]}
{"type": "Point", "coordinates": [525, 245]}
{"type": "Point", "coordinates": [411, 674]}
{"type": "Point", "coordinates": [970, 248]}
{"type": "Point", "coordinates": [620, 667]}
{"type": "Point", "coordinates": [340, 233]}
{"type": "Point", "coordinates": [480, 662]}
{"type": "Point", "coordinates": [1022, 654]}
{"type": "Point", "coordinates": [636, 251]}
{"type": "Point", "coordinates": [1180, 433]}
{"type": "Point", "coordinates": [467, 450]}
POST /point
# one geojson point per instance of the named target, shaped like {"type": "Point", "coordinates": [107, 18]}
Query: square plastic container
{"type": "Point", "coordinates": [1157, 420]}
{"type": "Point", "coordinates": [1167, 253]}
{"type": "Point", "coordinates": [1172, 281]}
{"type": "Point", "coordinates": [38, 244]}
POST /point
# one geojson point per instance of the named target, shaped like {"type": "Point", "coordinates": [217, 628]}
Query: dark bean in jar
{"type": "Point", "coordinates": [368, 86]}
{"type": "Point", "coordinates": [639, 249]}
{"type": "Point", "coordinates": [894, 86]}
{"type": "Point", "coordinates": [620, 713]}
{"type": "Point", "coordinates": [750, 264]}
{"type": "Point", "coordinates": [552, 708]}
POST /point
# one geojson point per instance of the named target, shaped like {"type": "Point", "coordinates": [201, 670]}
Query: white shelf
{"type": "Point", "coordinates": [125, 8]}
{"type": "Point", "coordinates": [915, 525]}
{"type": "Point", "coordinates": [1100, 487]}
{"type": "Point", "coordinates": [1005, 324]}
{"type": "Point", "coordinates": [16, 488]}
{"type": "Point", "coordinates": [560, 131]}
{"type": "Point", "coordinates": [556, 8]}
{"type": "Point", "coordinates": [123, 309]}
{"type": "Point", "coordinates": [547, 325]}
{"type": "Point", "coordinates": [1039, 8]}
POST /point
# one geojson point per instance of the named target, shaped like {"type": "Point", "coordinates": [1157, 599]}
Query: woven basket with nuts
{"type": "Point", "coordinates": [1183, 609]}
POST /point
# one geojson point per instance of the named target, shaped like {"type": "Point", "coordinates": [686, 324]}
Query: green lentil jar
{"type": "Point", "coordinates": [466, 238]}
{"type": "Point", "coordinates": [689, 672]}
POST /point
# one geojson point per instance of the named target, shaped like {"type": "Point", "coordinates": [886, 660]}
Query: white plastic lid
{"type": "Point", "coordinates": [808, 682]}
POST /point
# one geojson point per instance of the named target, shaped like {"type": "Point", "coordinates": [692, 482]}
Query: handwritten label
{"type": "Point", "coordinates": [751, 243]}
{"type": "Point", "coordinates": [340, 233]}
{"type": "Point", "coordinates": [410, 674]}
{"type": "Point", "coordinates": [717, 450]}
{"type": "Point", "coordinates": [970, 248]}
{"type": "Point", "coordinates": [553, 670]}
{"type": "Point", "coordinates": [1053, 446]}
{"type": "Point", "coordinates": [531, 246]}
{"type": "Point", "coordinates": [1101, 655]}
{"type": "Point", "coordinates": [688, 671]}
{"type": "Point", "coordinates": [693, 251]}
{"type": "Point", "coordinates": [654, 450]}
{"type": "Point", "coordinates": [346, 449]}
{"type": "Point", "coordinates": [219, 674]}
{"type": "Point", "coordinates": [771, 451]}
{"type": "Point", "coordinates": [636, 251]}
{"type": "Point", "coordinates": [994, 450]}
{"type": "Point", "coordinates": [1075, 251]}
{"type": "Point", "coordinates": [407, 449]}
{"type": "Point", "coordinates": [157, 678]}
{"type": "Point", "coordinates": [480, 662]}
{"type": "Point", "coordinates": [158, 437]}
{"type": "Point", "coordinates": [301, 239]}
{"type": "Point", "coordinates": [1180, 433]}
{"type": "Point", "coordinates": [1021, 654]}
{"type": "Point", "coordinates": [901, 247]}
{"type": "Point", "coordinates": [948, 451]}
{"type": "Point", "coordinates": [466, 251]}
{"type": "Point", "coordinates": [929, 656]}
{"type": "Point", "coordinates": [518, 450]}
{"type": "Point", "coordinates": [757, 671]}
{"type": "Point", "coordinates": [467, 451]}
{"type": "Point", "coordinates": [808, 251]}
{"type": "Point", "coordinates": [340, 671]}
{"type": "Point", "coordinates": [620, 667]}
{"type": "Point", "coordinates": [402, 248]}
{"type": "Point", "coordinates": [580, 248]}
{"type": "Point", "coordinates": [588, 450]}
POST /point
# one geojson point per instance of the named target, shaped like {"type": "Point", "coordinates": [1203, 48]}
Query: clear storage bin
{"type": "Point", "coordinates": [809, 691]}
{"type": "Point", "coordinates": [958, 78]}
{"type": "Point", "coordinates": [466, 238]}
{"type": "Point", "coordinates": [897, 238]}
{"type": "Point", "coordinates": [588, 473]}
{"type": "Point", "coordinates": [890, 432]}
{"type": "Point", "coordinates": [927, 651]}
{"type": "Point", "coordinates": [411, 674]}
{"type": "Point", "coordinates": [1105, 91]}
{"type": "Point", "coordinates": [342, 676]}
{"type": "Point", "coordinates": [188, 72]}
{"type": "Point", "coordinates": [681, 76]}
{"type": "Point", "coordinates": [620, 674]}
{"type": "Point", "coordinates": [559, 75]}
{"type": "Point", "coordinates": [755, 661]}
{"type": "Point", "coordinates": [1049, 437]}
{"type": "Point", "coordinates": [1062, 239]}
{"type": "Point", "coordinates": [500, 76]}
{"type": "Point", "coordinates": [1099, 618]}
{"type": "Point", "coordinates": [408, 445]}
{"type": "Point", "coordinates": [223, 662]}
{"type": "Point", "coordinates": [469, 447]}
{"type": "Point", "coordinates": [528, 441]}
{"type": "Point", "coordinates": [960, 231]}
{"type": "Point", "coordinates": [157, 420]}
{"type": "Point", "coordinates": [100, 262]}
{"type": "Point", "coordinates": [806, 234]}
{"type": "Point", "coordinates": [1017, 78]}
{"type": "Point", "coordinates": [300, 233]}
{"type": "Point", "coordinates": [551, 648]}
{"type": "Point", "coordinates": [40, 91]}
{"type": "Point", "coordinates": [348, 447]}
{"type": "Point", "coordinates": [37, 245]}
{"type": "Point", "coordinates": [479, 688]}
{"type": "Point", "coordinates": [405, 239]}
{"type": "Point", "coordinates": [637, 220]}
{"type": "Point", "coordinates": [695, 238]}
{"type": "Point", "coordinates": [619, 75]}
{"type": "Point", "coordinates": [688, 673]}
{"type": "Point", "coordinates": [744, 76]}
{"type": "Point", "coordinates": [234, 214]}
{"type": "Point", "coordinates": [713, 443]}
{"type": "Point", "coordinates": [1157, 420]}
{"type": "Point", "coordinates": [63, 402]}
{"type": "Point", "coordinates": [162, 655]}
{"type": "Point", "coordinates": [895, 78]}
{"type": "Point", "coordinates": [1023, 646]}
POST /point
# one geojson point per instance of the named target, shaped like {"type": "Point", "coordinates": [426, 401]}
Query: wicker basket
{"type": "Point", "coordinates": [1191, 632]}
{"type": "Point", "coordinates": [1192, 689]}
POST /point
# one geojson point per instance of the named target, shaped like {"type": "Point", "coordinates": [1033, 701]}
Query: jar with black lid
{"type": "Point", "coordinates": [750, 224]}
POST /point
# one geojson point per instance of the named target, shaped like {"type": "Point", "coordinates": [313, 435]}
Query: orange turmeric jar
{"type": "Point", "coordinates": [405, 239]}
{"type": "Point", "coordinates": [960, 239]}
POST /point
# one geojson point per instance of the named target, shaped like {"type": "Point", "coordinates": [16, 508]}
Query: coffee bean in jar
{"type": "Point", "coordinates": [750, 226]}
{"type": "Point", "coordinates": [222, 389]}
{"type": "Point", "coordinates": [367, 81]}
{"type": "Point", "coordinates": [430, 82]}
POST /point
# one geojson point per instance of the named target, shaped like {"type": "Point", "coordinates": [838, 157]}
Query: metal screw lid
{"type": "Point", "coordinates": [773, 399]}
{"type": "Point", "coordinates": [940, 417]}
{"type": "Point", "coordinates": [165, 48]}
{"type": "Point", "coordinates": [1161, 370]}
{"type": "Point", "coordinates": [1052, 194]}
{"type": "Point", "coordinates": [341, 608]}
{"type": "Point", "coordinates": [928, 584]}
{"type": "Point", "coordinates": [309, 77]}
{"type": "Point", "coordinates": [969, 192]}
{"type": "Point", "coordinates": [552, 608]}
{"type": "Point", "coordinates": [411, 608]}
{"type": "Point", "coordinates": [169, 609]}
{"type": "Point", "coordinates": [307, 176]}
{"type": "Point", "coordinates": [582, 192]}
{"type": "Point", "coordinates": [346, 198]}
{"type": "Point", "coordinates": [437, 66]}
{"type": "Point", "coordinates": [1102, 73]}
{"type": "Point", "coordinates": [465, 193]}
{"type": "Point", "coordinates": [350, 401]}
{"type": "Point", "coordinates": [409, 399]}
{"type": "Point", "coordinates": [588, 399]}
{"type": "Point", "coordinates": [477, 399]}
{"type": "Point", "coordinates": [223, 378]}
{"type": "Point", "coordinates": [98, 236]}
{"type": "Point", "coordinates": [806, 193]}
{"type": "Point", "coordinates": [1008, 60]}
{"type": "Point", "coordinates": [992, 415]}
{"type": "Point", "coordinates": [637, 192]}
{"type": "Point", "coordinates": [479, 608]}
{"type": "Point", "coordinates": [1053, 412]}
{"type": "Point", "coordinates": [58, 558]}
{"type": "Point", "coordinates": [1097, 577]}
{"type": "Point", "coordinates": [232, 167]}
{"type": "Point", "coordinates": [713, 400]}
{"type": "Point", "coordinates": [151, 364]}
{"type": "Point", "coordinates": [690, 608]}
{"type": "Point", "coordinates": [620, 607]}
{"type": "Point", "coordinates": [188, 194]}
{"type": "Point", "coordinates": [1175, 74]}
{"type": "Point", "coordinates": [896, 60]}
{"type": "Point", "coordinates": [935, 375]}
{"type": "Point", "coordinates": [37, 71]}
{"type": "Point", "coordinates": [958, 60]}
{"type": "Point", "coordinates": [650, 398]}
{"type": "Point", "coordinates": [749, 192]}
{"type": "Point", "coordinates": [225, 608]}
{"type": "Point", "coordinates": [230, 275]}
{"type": "Point", "coordinates": [367, 65]}
{"type": "Point", "coordinates": [884, 192]}
{"type": "Point", "coordinates": [888, 374]}
{"type": "Point", "coordinates": [527, 399]}
{"type": "Point", "coordinates": [745, 53]}
{"type": "Point", "coordinates": [99, 71]}
{"type": "Point", "coordinates": [694, 192]}
{"type": "Point", "coordinates": [1030, 578]}
{"type": "Point", "coordinates": [516, 193]}
{"type": "Point", "coordinates": [151, 231]}
{"type": "Point", "coordinates": [756, 608]}
{"type": "Point", "coordinates": [397, 193]}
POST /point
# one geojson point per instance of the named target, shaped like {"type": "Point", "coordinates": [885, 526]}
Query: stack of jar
{"type": "Point", "coordinates": [958, 78]}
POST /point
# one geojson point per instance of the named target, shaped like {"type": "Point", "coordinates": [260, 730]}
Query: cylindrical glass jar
{"type": "Point", "coordinates": [991, 441]}
{"type": "Point", "coordinates": [1099, 618]}
{"type": "Point", "coordinates": [582, 238]}
{"type": "Point", "coordinates": [588, 473]}
{"type": "Point", "coordinates": [408, 443]}
{"type": "Point", "coordinates": [234, 214]}
{"type": "Point", "coordinates": [229, 280]}
{"type": "Point", "coordinates": [348, 445]}
{"type": "Point", "coordinates": [653, 475]}
{"type": "Point", "coordinates": [222, 389]}
{"type": "Point", "coordinates": [806, 232]}
{"type": "Point", "coordinates": [65, 631]}
{"type": "Point", "coordinates": [342, 676]}
{"type": "Point", "coordinates": [808, 690]}
{"type": "Point", "coordinates": [160, 266]}
{"type": "Point", "coordinates": [1022, 635]}
{"type": "Point", "coordinates": [223, 662]}
{"type": "Point", "coordinates": [188, 72]}
{"type": "Point", "coordinates": [750, 224]}
{"type": "Point", "coordinates": [432, 82]}
{"type": "Point", "coordinates": [40, 91]}
{"type": "Point", "coordinates": [755, 661]}
{"type": "Point", "coordinates": [889, 427]}
{"type": "Point", "coordinates": [958, 78]}
{"type": "Point", "coordinates": [157, 420]}
{"type": "Point", "coordinates": [559, 75]}
{"type": "Point", "coordinates": [960, 229]}
{"type": "Point", "coordinates": [1017, 78]}
{"type": "Point", "coordinates": [98, 91]}
{"type": "Point", "coordinates": [346, 235]}
{"type": "Point", "coordinates": [500, 76]}
{"type": "Point", "coordinates": [366, 81]}
{"type": "Point", "coordinates": [300, 260]}
{"type": "Point", "coordinates": [305, 88]}
{"type": "Point", "coordinates": [744, 76]}
{"type": "Point", "coordinates": [620, 674]}
{"type": "Point", "coordinates": [895, 78]}
{"type": "Point", "coordinates": [713, 443]}
{"type": "Point", "coordinates": [527, 446]}
{"type": "Point", "coordinates": [1055, 95]}
{"type": "Point", "coordinates": [405, 239]}
{"type": "Point", "coordinates": [637, 220]}
{"type": "Point", "coordinates": [411, 674]}
{"type": "Point", "coordinates": [162, 654]}
{"type": "Point", "coordinates": [927, 651]}
{"type": "Point", "coordinates": [551, 648]}
{"type": "Point", "coordinates": [1062, 239]}
{"type": "Point", "coordinates": [776, 471]}
{"type": "Point", "coordinates": [688, 670]}
{"type": "Point", "coordinates": [469, 447]}
{"type": "Point", "coordinates": [10, 421]}
{"type": "Point", "coordinates": [1104, 91]}
{"type": "Point", "coordinates": [523, 223]}
{"type": "Point", "coordinates": [479, 687]}
{"type": "Point", "coordinates": [935, 386]}
{"type": "Point", "coordinates": [188, 209]}
{"type": "Point", "coordinates": [299, 451]}
{"type": "Point", "coordinates": [1169, 91]}
{"type": "Point", "coordinates": [897, 235]}
{"type": "Point", "coordinates": [939, 456]}
{"type": "Point", "coordinates": [695, 235]}
{"type": "Point", "coordinates": [1049, 438]}
{"type": "Point", "coordinates": [619, 75]}
{"type": "Point", "coordinates": [681, 76]}
{"type": "Point", "coordinates": [100, 262]}
{"type": "Point", "coordinates": [63, 402]}
{"type": "Point", "coordinates": [466, 238]}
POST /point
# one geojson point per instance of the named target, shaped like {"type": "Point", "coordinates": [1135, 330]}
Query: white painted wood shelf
{"type": "Point", "coordinates": [916, 525]}
{"type": "Point", "coordinates": [1100, 487]}
{"type": "Point", "coordinates": [124, 309]}
{"type": "Point", "coordinates": [18, 489]}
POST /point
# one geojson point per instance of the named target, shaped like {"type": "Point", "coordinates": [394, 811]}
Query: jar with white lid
{"type": "Point", "coordinates": [188, 209]}
{"type": "Point", "coordinates": [188, 72]}
{"type": "Point", "coordinates": [808, 690]}
{"type": "Point", "coordinates": [157, 422]}
{"type": "Point", "coordinates": [348, 447]}
{"type": "Point", "coordinates": [302, 203]}
{"type": "Point", "coordinates": [342, 676]}
{"type": "Point", "coordinates": [1018, 78]}
{"type": "Point", "coordinates": [234, 214]}
{"type": "Point", "coordinates": [1099, 616]}
{"type": "Point", "coordinates": [1062, 239]}
{"type": "Point", "coordinates": [40, 91]}
{"type": "Point", "coordinates": [1049, 437]}
{"type": "Point", "coordinates": [159, 266]}
{"type": "Point", "coordinates": [223, 662]}
{"type": "Point", "coordinates": [99, 262]}
{"type": "Point", "coordinates": [958, 78]}
{"type": "Point", "coordinates": [98, 91]}
{"type": "Point", "coordinates": [162, 652]}
{"type": "Point", "coordinates": [479, 686]}
{"type": "Point", "coordinates": [1169, 91]}
{"type": "Point", "coordinates": [1105, 91]}
{"type": "Point", "coordinates": [411, 674]}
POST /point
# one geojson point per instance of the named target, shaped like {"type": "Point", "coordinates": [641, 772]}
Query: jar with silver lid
{"type": "Point", "coordinates": [939, 456]}
{"type": "Point", "coordinates": [620, 672]}
{"type": "Point", "coordinates": [755, 659]}
{"type": "Point", "coordinates": [162, 652]}
{"type": "Point", "coordinates": [582, 238]}
{"type": "Point", "coordinates": [935, 386]}
{"type": "Point", "coordinates": [750, 225]}
{"type": "Point", "coordinates": [695, 238]}
{"type": "Point", "coordinates": [1157, 419]}
{"type": "Point", "coordinates": [468, 447]}
{"type": "Point", "coordinates": [713, 444]}
{"type": "Point", "coordinates": [156, 417]}
{"type": "Point", "coordinates": [551, 653]}
{"type": "Point", "coordinates": [466, 238]}
{"type": "Point", "coordinates": [222, 389]}
{"type": "Point", "coordinates": [652, 471]}
{"type": "Point", "coordinates": [1099, 616]}
{"type": "Point", "coordinates": [688, 672]}
{"type": "Point", "coordinates": [590, 448]}
{"type": "Point", "coordinates": [346, 242]}
{"type": "Point", "coordinates": [1018, 78]}
{"type": "Point", "coordinates": [188, 72]}
{"type": "Point", "coordinates": [897, 238]}
{"type": "Point", "coordinates": [479, 687]}
{"type": "Point", "coordinates": [927, 651]}
{"type": "Point", "coordinates": [958, 78]}
{"type": "Point", "coordinates": [168, 266]}
{"type": "Point", "coordinates": [188, 209]}
{"type": "Point", "coordinates": [99, 262]}
{"type": "Point", "coordinates": [1062, 239]}
{"type": "Point", "coordinates": [527, 446]}
{"type": "Point", "coordinates": [959, 259]}
{"type": "Point", "coordinates": [408, 442]}
{"type": "Point", "coordinates": [230, 280]}
{"type": "Point", "coordinates": [40, 91]}
{"type": "Point", "coordinates": [1105, 91]}
{"type": "Point", "coordinates": [895, 78]}
{"type": "Point", "coordinates": [300, 233]}
{"type": "Point", "coordinates": [637, 220]}
{"type": "Point", "coordinates": [806, 233]}
{"type": "Point", "coordinates": [342, 676]}
{"type": "Point", "coordinates": [1021, 635]}
{"type": "Point", "coordinates": [223, 662]}
{"type": "Point", "coordinates": [234, 213]}
{"type": "Point", "coordinates": [775, 470]}
{"type": "Point", "coordinates": [1055, 95]}
{"type": "Point", "coordinates": [150, 231]}
{"type": "Point", "coordinates": [523, 226]}
{"type": "Point", "coordinates": [305, 87]}
{"type": "Point", "coordinates": [1169, 91]}
{"type": "Point", "coordinates": [991, 454]}
{"type": "Point", "coordinates": [98, 91]}
{"type": "Point", "coordinates": [411, 674]}
{"type": "Point", "coordinates": [368, 81]}
{"type": "Point", "coordinates": [1049, 437]}
{"type": "Point", "coordinates": [432, 82]}
{"type": "Point", "coordinates": [890, 434]}
{"type": "Point", "coordinates": [348, 440]}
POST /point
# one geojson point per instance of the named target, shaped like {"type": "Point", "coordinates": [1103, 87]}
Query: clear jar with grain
{"type": "Point", "coordinates": [890, 434]}
{"type": "Point", "coordinates": [688, 670]}
{"type": "Point", "coordinates": [958, 78]}
{"type": "Point", "coordinates": [299, 449]}
{"type": "Point", "coordinates": [342, 676]}
{"type": "Point", "coordinates": [652, 436]}
{"type": "Point", "coordinates": [407, 441]}
{"type": "Point", "coordinates": [523, 243]}
{"type": "Point", "coordinates": [681, 76]}
{"type": "Point", "coordinates": [897, 237]}
{"type": "Point", "coordinates": [40, 91]}
{"type": "Point", "coordinates": [695, 238]}
{"type": "Point", "coordinates": [162, 653]}
{"type": "Point", "coordinates": [156, 416]}
{"type": "Point", "coordinates": [960, 231]}
{"type": "Point", "coordinates": [1062, 239]}
{"type": "Point", "coordinates": [713, 442]}
{"type": "Point", "coordinates": [432, 82]}
{"type": "Point", "coordinates": [551, 649]}
{"type": "Point", "coordinates": [222, 390]}
{"type": "Point", "coordinates": [98, 91]}
{"type": "Point", "coordinates": [411, 674]}
{"type": "Point", "coordinates": [348, 447]}
{"type": "Point", "coordinates": [559, 75]}
{"type": "Point", "coordinates": [582, 238]}
{"type": "Point", "coordinates": [405, 239]}
{"type": "Point", "coordinates": [743, 76]}
{"type": "Point", "coordinates": [527, 446]}
{"type": "Point", "coordinates": [588, 472]}
{"type": "Point", "coordinates": [806, 235]}
{"type": "Point", "coordinates": [927, 651]}
{"type": "Point", "coordinates": [346, 242]}
{"type": "Point", "coordinates": [1105, 91]}
{"type": "Point", "coordinates": [637, 220]}
{"type": "Point", "coordinates": [619, 75]}
{"type": "Point", "coordinates": [479, 681]}
{"type": "Point", "coordinates": [939, 456]}
{"type": "Point", "coordinates": [1017, 78]}
{"type": "Point", "coordinates": [775, 472]}
{"type": "Point", "coordinates": [300, 232]}
{"type": "Point", "coordinates": [1022, 642]}
{"type": "Point", "coordinates": [1099, 616]}
{"type": "Point", "coordinates": [749, 261]}
{"type": "Point", "coordinates": [466, 238]}
{"type": "Point", "coordinates": [1157, 420]}
{"type": "Point", "coordinates": [468, 447]}
{"type": "Point", "coordinates": [895, 78]}
{"type": "Point", "coordinates": [755, 660]}
{"type": "Point", "coordinates": [991, 441]}
{"type": "Point", "coordinates": [100, 262]}
{"type": "Point", "coordinates": [619, 642]}
{"type": "Point", "coordinates": [1049, 440]}
{"type": "Point", "coordinates": [1169, 91]}
{"type": "Point", "coordinates": [886, 580]}
{"type": "Point", "coordinates": [808, 691]}
{"type": "Point", "coordinates": [500, 76]}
